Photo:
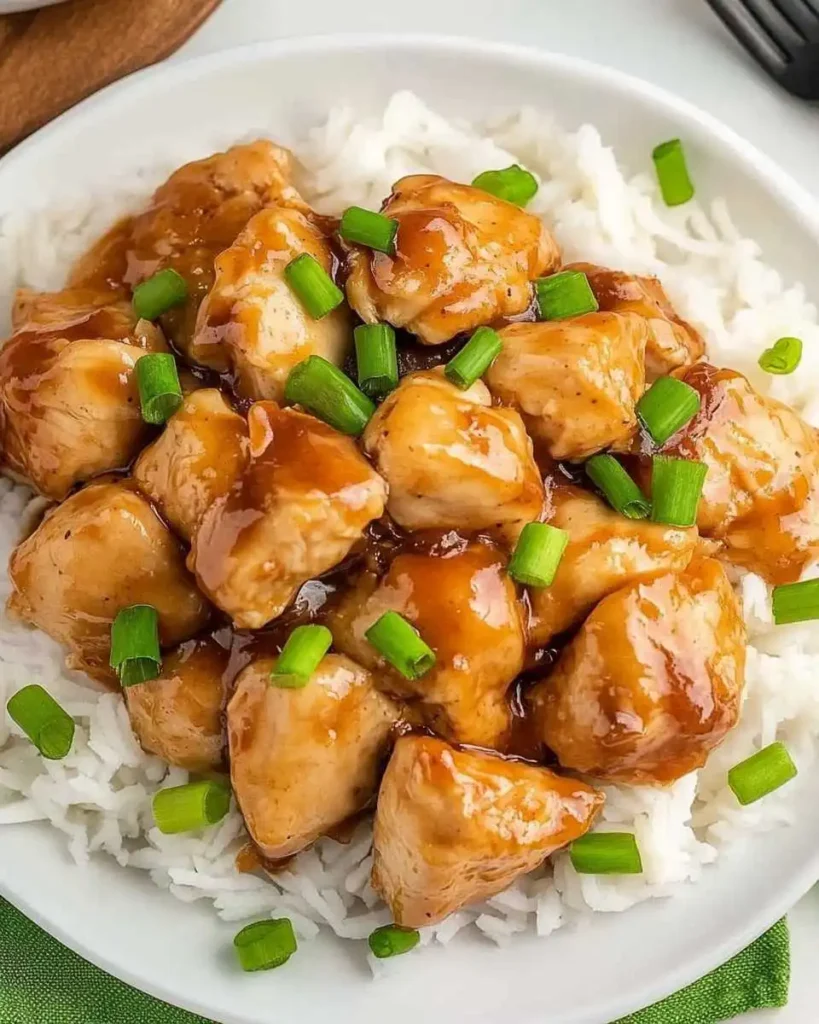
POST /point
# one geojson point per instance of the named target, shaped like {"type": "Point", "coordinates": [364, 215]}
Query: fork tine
{"type": "Point", "coordinates": [780, 28]}
{"type": "Point", "coordinates": [803, 15]}
{"type": "Point", "coordinates": [745, 26]}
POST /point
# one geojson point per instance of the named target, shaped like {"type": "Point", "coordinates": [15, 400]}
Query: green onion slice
{"type": "Point", "coordinates": [329, 394]}
{"type": "Point", "coordinates": [301, 656]}
{"type": "Point", "coordinates": [160, 393]}
{"type": "Point", "coordinates": [606, 853]}
{"type": "Point", "coordinates": [672, 173]}
{"type": "Point", "coordinates": [159, 293]}
{"type": "Point", "coordinates": [762, 773]}
{"type": "Point", "coordinates": [47, 725]}
{"type": "Point", "coordinates": [795, 602]}
{"type": "Point", "coordinates": [135, 651]}
{"type": "Point", "coordinates": [265, 944]}
{"type": "Point", "coordinates": [621, 492]}
{"type": "Point", "coordinates": [313, 286]}
{"type": "Point", "coordinates": [376, 358]}
{"type": "Point", "coordinates": [365, 227]}
{"type": "Point", "coordinates": [390, 940]}
{"type": "Point", "coordinates": [475, 358]}
{"type": "Point", "coordinates": [192, 806]}
{"type": "Point", "coordinates": [666, 407]}
{"type": "Point", "coordinates": [514, 184]}
{"type": "Point", "coordinates": [564, 295]}
{"type": "Point", "coordinates": [676, 488]}
{"type": "Point", "coordinates": [401, 644]}
{"type": "Point", "coordinates": [537, 554]}
{"type": "Point", "coordinates": [783, 357]}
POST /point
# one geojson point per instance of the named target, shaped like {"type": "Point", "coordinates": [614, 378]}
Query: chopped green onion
{"type": "Point", "coordinates": [329, 394]}
{"type": "Point", "coordinates": [265, 944]}
{"type": "Point", "coordinates": [762, 773]}
{"type": "Point", "coordinates": [301, 656]}
{"type": "Point", "coordinates": [365, 227]}
{"type": "Point", "coordinates": [401, 645]}
{"type": "Point", "coordinates": [313, 286]}
{"type": "Point", "coordinates": [621, 492]}
{"type": "Point", "coordinates": [390, 940]}
{"type": "Point", "coordinates": [192, 806]}
{"type": "Point", "coordinates": [564, 295]}
{"type": "Point", "coordinates": [783, 357]}
{"type": "Point", "coordinates": [47, 725]}
{"type": "Point", "coordinates": [160, 393]}
{"type": "Point", "coordinates": [157, 294]}
{"type": "Point", "coordinates": [537, 554]}
{"type": "Point", "coordinates": [376, 358]}
{"type": "Point", "coordinates": [672, 173]}
{"type": "Point", "coordinates": [135, 644]}
{"type": "Point", "coordinates": [666, 407]}
{"type": "Point", "coordinates": [796, 602]}
{"type": "Point", "coordinates": [676, 488]}
{"type": "Point", "coordinates": [474, 359]}
{"type": "Point", "coordinates": [514, 184]}
{"type": "Point", "coordinates": [606, 853]}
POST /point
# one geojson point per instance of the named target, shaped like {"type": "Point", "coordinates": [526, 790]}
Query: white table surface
{"type": "Point", "coordinates": [678, 44]}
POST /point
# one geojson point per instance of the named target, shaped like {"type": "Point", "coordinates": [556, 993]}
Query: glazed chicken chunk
{"type": "Point", "coordinates": [450, 459]}
{"type": "Point", "coordinates": [672, 343]}
{"type": "Point", "coordinates": [651, 683]}
{"type": "Point", "coordinates": [178, 716]}
{"type": "Point", "coordinates": [761, 494]}
{"type": "Point", "coordinates": [576, 382]}
{"type": "Point", "coordinates": [462, 258]}
{"type": "Point", "coordinates": [195, 215]}
{"type": "Point", "coordinates": [465, 607]}
{"type": "Point", "coordinates": [102, 550]}
{"type": "Point", "coordinates": [69, 404]}
{"type": "Point", "coordinates": [305, 760]}
{"type": "Point", "coordinates": [605, 551]}
{"type": "Point", "coordinates": [454, 827]}
{"type": "Point", "coordinates": [252, 315]}
{"type": "Point", "coordinates": [303, 500]}
{"type": "Point", "coordinates": [197, 458]}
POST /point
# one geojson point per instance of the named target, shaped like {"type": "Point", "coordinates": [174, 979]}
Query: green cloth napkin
{"type": "Point", "coordinates": [42, 982]}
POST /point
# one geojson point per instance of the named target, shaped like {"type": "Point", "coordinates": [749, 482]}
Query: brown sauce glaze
{"type": "Point", "coordinates": [105, 265]}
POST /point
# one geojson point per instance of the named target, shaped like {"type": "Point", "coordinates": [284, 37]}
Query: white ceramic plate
{"type": "Point", "coordinates": [584, 975]}
{"type": "Point", "coordinates": [12, 6]}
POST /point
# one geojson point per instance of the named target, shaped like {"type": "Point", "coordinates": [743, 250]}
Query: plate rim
{"type": "Point", "coordinates": [759, 165]}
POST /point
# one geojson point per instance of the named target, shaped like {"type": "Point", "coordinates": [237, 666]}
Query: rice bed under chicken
{"type": "Point", "coordinates": [100, 795]}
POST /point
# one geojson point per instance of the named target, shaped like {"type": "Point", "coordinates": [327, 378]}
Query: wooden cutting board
{"type": "Point", "coordinates": [52, 58]}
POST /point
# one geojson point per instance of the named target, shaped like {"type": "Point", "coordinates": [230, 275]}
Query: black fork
{"type": "Point", "coordinates": [783, 35]}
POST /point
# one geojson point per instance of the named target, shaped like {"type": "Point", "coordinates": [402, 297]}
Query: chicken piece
{"type": "Point", "coordinates": [69, 403]}
{"type": "Point", "coordinates": [651, 683]}
{"type": "Point", "coordinates": [303, 500]}
{"type": "Point", "coordinates": [605, 551]}
{"type": "Point", "coordinates": [197, 459]}
{"type": "Point", "coordinates": [178, 716]}
{"type": "Point", "coordinates": [451, 460]}
{"type": "Point", "coordinates": [102, 550]}
{"type": "Point", "coordinates": [672, 342]}
{"type": "Point", "coordinates": [761, 494]}
{"type": "Point", "coordinates": [465, 607]}
{"type": "Point", "coordinates": [194, 216]}
{"type": "Point", "coordinates": [576, 382]}
{"type": "Point", "coordinates": [462, 259]}
{"type": "Point", "coordinates": [76, 313]}
{"type": "Point", "coordinates": [454, 827]}
{"type": "Point", "coordinates": [303, 761]}
{"type": "Point", "coordinates": [253, 316]}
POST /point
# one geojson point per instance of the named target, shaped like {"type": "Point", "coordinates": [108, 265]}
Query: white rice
{"type": "Point", "coordinates": [100, 795]}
